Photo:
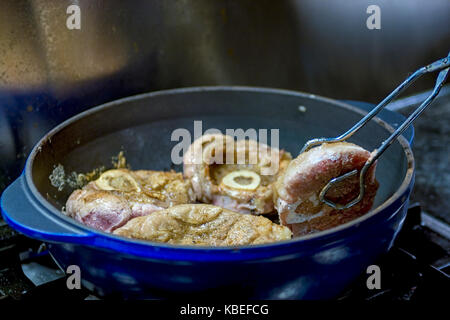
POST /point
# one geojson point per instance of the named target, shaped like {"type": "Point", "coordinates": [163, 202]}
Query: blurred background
{"type": "Point", "coordinates": [49, 73]}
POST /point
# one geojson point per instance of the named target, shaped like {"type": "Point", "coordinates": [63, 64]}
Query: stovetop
{"type": "Point", "coordinates": [432, 156]}
{"type": "Point", "coordinates": [416, 268]}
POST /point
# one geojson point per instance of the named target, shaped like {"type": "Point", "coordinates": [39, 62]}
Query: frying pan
{"type": "Point", "coordinates": [317, 266]}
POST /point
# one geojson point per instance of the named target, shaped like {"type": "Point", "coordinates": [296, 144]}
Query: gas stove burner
{"type": "Point", "coordinates": [417, 268]}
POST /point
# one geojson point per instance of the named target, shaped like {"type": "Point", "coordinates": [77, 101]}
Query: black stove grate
{"type": "Point", "coordinates": [417, 268]}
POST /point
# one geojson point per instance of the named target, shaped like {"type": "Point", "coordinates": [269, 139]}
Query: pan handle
{"type": "Point", "coordinates": [25, 214]}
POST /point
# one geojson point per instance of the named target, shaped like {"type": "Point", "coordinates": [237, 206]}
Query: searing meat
{"type": "Point", "coordinates": [297, 191]}
{"type": "Point", "coordinates": [119, 195]}
{"type": "Point", "coordinates": [237, 175]}
{"type": "Point", "coordinates": [200, 224]}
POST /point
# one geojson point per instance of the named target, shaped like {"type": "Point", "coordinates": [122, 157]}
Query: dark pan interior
{"type": "Point", "coordinates": [142, 127]}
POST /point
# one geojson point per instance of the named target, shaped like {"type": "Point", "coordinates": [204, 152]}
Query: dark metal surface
{"type": "Point", "coordinates": [144, 45]}
{"type": "Point", "coordinates": [432, 152]}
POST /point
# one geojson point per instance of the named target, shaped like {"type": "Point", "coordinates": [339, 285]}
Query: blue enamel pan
{"type": "Point", "coordinates": [317, 266]}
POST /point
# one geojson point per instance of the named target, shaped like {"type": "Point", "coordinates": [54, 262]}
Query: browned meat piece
{"type": "Point", "coordinates": [297, 191]}
{"type": "Point", "coordinates": [235, 175]}
{"type": "Point", "coordinates": [200, 224]}
{"type": "Point", "coordinates": [119, 195]}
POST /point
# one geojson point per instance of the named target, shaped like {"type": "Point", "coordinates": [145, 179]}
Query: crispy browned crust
{"type": "Point", "coordinates": [200, 224]}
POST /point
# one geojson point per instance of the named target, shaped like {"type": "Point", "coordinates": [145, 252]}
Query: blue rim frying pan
{"type": "Point", "coordinates": [317, 266]}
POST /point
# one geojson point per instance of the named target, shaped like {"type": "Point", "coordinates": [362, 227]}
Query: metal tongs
{"type": "Point", "coordinates": [443, 65]}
